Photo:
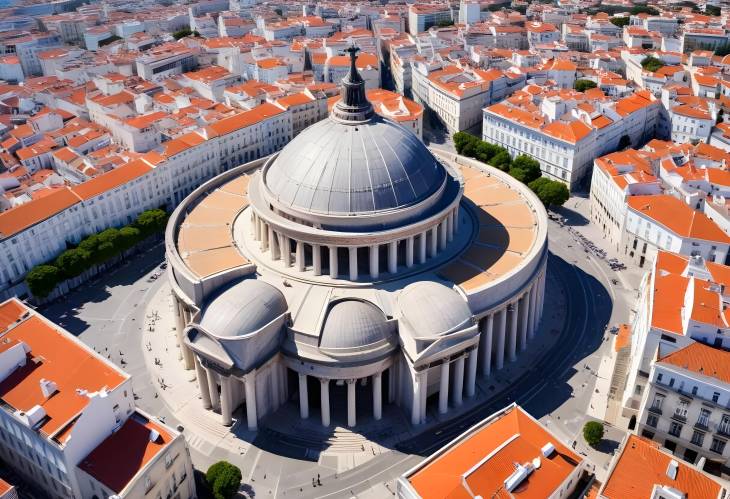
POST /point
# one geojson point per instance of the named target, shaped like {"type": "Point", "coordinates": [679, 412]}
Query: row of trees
{"type": "Point", "coordinates": [93, 250]}
{"type": "Point", "coordinates": [523, 167]}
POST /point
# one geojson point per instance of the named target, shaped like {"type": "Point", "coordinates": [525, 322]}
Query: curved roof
{"type": "Point", "coordinates": [354, 323]}
{"type": "Point", "coordinates": [431, 308]}
{"type": "Point", "coordinates": [339, 168]}
{"type": "Point", "coordinates": [243, 308]}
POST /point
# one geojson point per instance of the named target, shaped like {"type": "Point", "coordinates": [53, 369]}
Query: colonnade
{"type": "Point", "coordinates": [294, 253]}
{"type": "Point", "coordinates": [324, 394]}
{"type": "Point", "coordinates": [503, 333]}
{"type": "Point", "coordinates": [216, 392]}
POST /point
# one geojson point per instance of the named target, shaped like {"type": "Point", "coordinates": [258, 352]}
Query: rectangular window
{"type": "Point", "coordinates": [681, 409]}
{"type": "Point", "coordinates": [675, 429]}
{"type": "Point", "coordinates": [717, 445]}
{"type": "Point", "coordinates": [704, 418]}
{"type": "Point", "coordinates": [715, 396]}
{"type": "Point", "coordinates": [652, 420]}
{"type": "Point", "coordinates": [697, 438]}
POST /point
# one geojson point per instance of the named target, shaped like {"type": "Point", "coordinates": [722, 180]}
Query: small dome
{"type": "Point", "coordinates": [243, 308]}
{"type": "Point", "coordinates": [431, 308]}
{"type": "Point", "coordinates": [354, 323]}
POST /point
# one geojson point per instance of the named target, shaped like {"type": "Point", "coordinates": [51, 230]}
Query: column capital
{"type": "Point", "coordinates": [350, 381]}
{"type": "Point", "coordinates": [324, 381]}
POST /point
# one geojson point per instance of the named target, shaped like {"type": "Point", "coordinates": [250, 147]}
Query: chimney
{"type": "Point", "coordinates": [672, 469]}
{"type": "Point", "coordinates": [48, 388]}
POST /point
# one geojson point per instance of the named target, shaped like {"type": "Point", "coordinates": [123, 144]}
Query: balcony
{"type": "Point", "coordinates": [702, 425]}
{"type": "Point", "coordinates": [655, 410]}
{"type": "Point", "coordinates": [679, 418]}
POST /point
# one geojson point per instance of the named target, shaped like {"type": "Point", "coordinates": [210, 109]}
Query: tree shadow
{"type": "Point", "coordinates": [573, 218]}
{"type": "Point", "coordinates": [607, 446]}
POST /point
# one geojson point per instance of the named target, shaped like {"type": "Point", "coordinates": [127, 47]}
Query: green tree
{"type": "Point", "coordinates": [485, 151]}
{"type": "Point", "coordinates": [593, 433]}
{"type": "Point", "coordinates": [529, 167]}
{"type": "Point", "coordinates": [643, 9]}
{"type": "Point", "coordinates": [42, 279]}
{"type": "Point", "coordinates": [151, 221]}
{"type": "Point", "coordinates": [651, 63]}
{"type": "Point", "coordinates": [182, 33]}
{"type": "Point", "coordinates": [73, 262]}
{"type": "Point", "coordinates": [620, 21]}
{"type": "Point", "coordinates": [128, 237]}
{"type": "Point", "coordinates": [461, 139]}
{"type": "Point", "coordinates": [550, 192]}
{"type": "Point", "coordinates": [501, 160]}
{"type": "Point", "coordinates": [224, 479]}
{"type": "Point", "coordinates": [583, 85]}
{"type": "Point", "coordinates": [712, 10]}
{"type": "Point", "coordinates": [110, 243]}
{"type": "Point", "coordinates": [445, 22]}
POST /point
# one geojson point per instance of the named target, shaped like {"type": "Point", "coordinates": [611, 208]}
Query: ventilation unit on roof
{"type": "Point", "coordinates": [33, 416]}
{"type": "Point", "coordinates": [154, 435]}
{"type": "Point", "coordinates": [667, 492]}
{"type": "Point", "coordinates": [548, 449]}
{"type": "Point", "coordinates": [521, 472]}
{"type": "Point", "coordinates": [672, 468]}
{"type": "Point", "coordinates": [48, 387]}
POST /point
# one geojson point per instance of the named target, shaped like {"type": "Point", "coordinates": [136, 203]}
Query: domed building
{"type": "Point", "coordinates": [354, 265]}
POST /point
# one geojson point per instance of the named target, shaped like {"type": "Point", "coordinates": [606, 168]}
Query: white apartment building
{"type": "Point", "coordinates": [421, 17]}
{"type": "Point", "coordinates": [166, 60]}
{"type": "Point", "coordinates": [615, 177]}
{"type": "Point", "coordinates": [663, 222]}
{"type": "Point", "coordinates": [565, 138]}
{"type": "Point", "coordinates": [686, 404]}
{"type": "Point", "coordinates": [68, 421]}
{"type": "Point", "coordinates": [458, 95]}
{"type": "Point", "coordinates": [680, 302]}
{"type": "Point", "coordinates": [37, 231]}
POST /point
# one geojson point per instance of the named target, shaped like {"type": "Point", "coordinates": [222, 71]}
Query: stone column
{"type": "Point", "coordinates": [514, 317]}
{"type": "Point", "coordinates": [374, 261]}
{"type": "Point", "coordinates": [409, 252]}
{"type": "Point", "coordinates": [333, 262]}
{"type": "Point", "coordinates": [203, 384]}
{"type": "Point", "coordinates": [391, 384]}
{"type": "Point", "coordinates": [303, 397]}
{"type": "Point", "coordinates": [285, 250]}
{"type": "Point", "coordinates": [532, 327]}
{"type": "Point", "coordinates": [471, 373]}
{"type": "Point", "coordinates": [213, 390]}
{"type": "Point", "coordinates": [422, 240]}
{"type": "Point", "coordinates": [416, 406]}
{"type": "Point", "coordinates": [458, 381]}
{"type": "Point", "coordinates": [256, 226]}
{"type": "Point", "coordinates": [443, 234]}
{"type": "Point", "coordinates": [378, 396]}
{"type": "Point", "coordinates": [353, 263]}
{"type": "Point", "coordinates": [541, 295]}
{"type": "Point", "coordinates": [249, 381]}
{"type": "Point", "coordinates": [433, 249]}
{"type": "Point", "coordinates": [273, 244]}
{"type": "Point", "coordinates": [444, 388]}
{"type": "Point", "coordinates": [393, 257]}
{"type": "Point", "coordinates": [324, 394]}
{"type": "Point", "coordinates": [317, 259]}
{"type": "Point", "coordinates": [485, 347]}
{"type": "Point", "coordinates": [351, 403]}
{"type": "Point", "coordinates": [524, 318]}
{"type": "Point", "coordinates": [424, 392]}
{"type": "Point", "coordinates": [226, 403]}
{"type": "Point", "coordinates": [501, 337]}
{"type": "Point", "coordinates": [451, 222]}
{"type": "Point", "coordinates": [300, 256]}
{"type": "Point", "coordinates": [264, 236]}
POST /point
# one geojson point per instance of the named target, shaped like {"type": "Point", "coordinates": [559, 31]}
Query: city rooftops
{"type": "Point", "coordinates": [52, 374]}
{"type": "Point", "coordinates": [508, 453]}
{"type": "Point", "coordinates": [643, 470]}
{"type": "Point", "coordinates": [700, 359]}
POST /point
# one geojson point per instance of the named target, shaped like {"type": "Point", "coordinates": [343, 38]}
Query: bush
{"type": "Point", "coordinates": [550, 192]}
{"type": "Point", "coordinates": [651, 64]}
{"type": "Point", "coordinates": [42, 279]}
{"type": "Point", "coordinates": [583, 85]}
{"type": "Point", "coordinates": [73, 262]}
{"type": "Point", "coordinates": [151, 221]}
{"type": "Point", "coordinates": [184, 32]}
{"type": "Point", "coordinates": [593, 433]}
{"type": "Point", "coordinates": [620, 21]}
{"type": "Point", "coordinates": [224, 479]}
{"type": "Point", "coordinates": [501, 160]}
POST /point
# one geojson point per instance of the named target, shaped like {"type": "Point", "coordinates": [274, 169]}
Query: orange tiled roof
{"type": "Point", "coordinates": [58, 357]}
{"type": "Point", "coordinates": [124, 453]}
{"type": "Point", "coordinates": [641, 465]}
{"type": "Point", "coordinates": [678, 217]}
{"type": "Point", "coordinates": [111, 179]}
{"type": "Point", "coordinates": [21, 217]}
{"type": "Point", "coordinates": [511, 437]}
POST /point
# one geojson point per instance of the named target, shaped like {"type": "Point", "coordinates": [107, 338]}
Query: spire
{"type": "Point", "coordinates": [353, 104]}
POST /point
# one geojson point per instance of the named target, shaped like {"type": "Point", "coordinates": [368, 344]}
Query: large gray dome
{"type": "Point", "coordinates": [431, 308]}
{"type": "Point", "coordinates": [354, 323]}
{"type": "Point", "coordinates": [243, 308]}
{"type": "Point", "coordinates": [340, 168]}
